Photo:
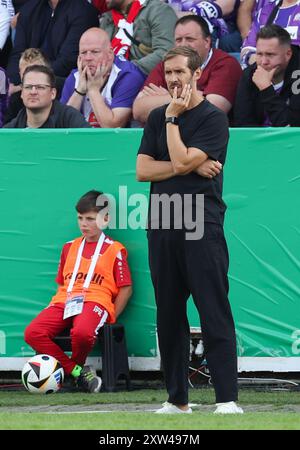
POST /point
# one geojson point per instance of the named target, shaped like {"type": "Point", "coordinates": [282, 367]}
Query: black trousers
{"type": "Point", "coordinates": [181, 267]}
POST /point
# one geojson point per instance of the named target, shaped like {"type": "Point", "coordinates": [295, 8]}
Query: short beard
{"type": "Point", "coordinates": [36, 110]}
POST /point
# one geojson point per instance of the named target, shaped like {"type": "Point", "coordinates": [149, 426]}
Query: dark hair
{"type": "Point", "coordinates": [41, 69]}
{"type": "Point", "coordinates": [194, 60]}
{"type": "Point", "coordinates": [274, 31]}
{"type": "Point", "coordinates": [198, 20]}
{"type": "Point", "coordinates": [91, 201]}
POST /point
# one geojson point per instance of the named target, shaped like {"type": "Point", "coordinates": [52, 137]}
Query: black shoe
{"type": "Point", "coordinates": [88, 380]}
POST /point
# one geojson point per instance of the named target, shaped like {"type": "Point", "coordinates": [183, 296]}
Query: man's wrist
{"type": "Point", "coordinates": [264, 86]}
{"type": "Point", "coordinates": [80, 92]}
{"type": "Point", "coordinates": [172, 119]}
{"type": "Point", "coordinates": [94, 89]}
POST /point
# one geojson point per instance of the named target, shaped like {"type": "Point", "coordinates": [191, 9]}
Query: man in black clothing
{"type": "Point", "coordinates": [267, 93]}
{"type": "Point", "coordinates": [29, 57]}
{"type": "Point", "coordinates": [179, 140]}
{"type": "Point", "coordinates": [55, 27]}
{"type": "Point", "coordinates": [41, 109]}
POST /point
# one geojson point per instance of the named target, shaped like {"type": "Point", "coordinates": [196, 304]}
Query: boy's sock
{"type": "Point", "coordinates": [76, 371]}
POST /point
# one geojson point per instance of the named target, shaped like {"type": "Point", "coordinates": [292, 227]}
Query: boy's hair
{"type": "Point", "coordinates": [32, 55]}
{"type": "Point", "coordinates": [193, 59]}
{"type": "Point", "coordinates": [41, 69]}
{"type": "Point", "coordinates": [91, 201]}
{"type": "Point", "coordinates": [275, 31]}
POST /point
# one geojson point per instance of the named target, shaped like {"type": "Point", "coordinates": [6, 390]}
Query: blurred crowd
{"type": "Point", "coordinates": [80, 63]}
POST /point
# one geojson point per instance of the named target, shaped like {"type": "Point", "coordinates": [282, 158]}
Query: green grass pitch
{"type": "Point", "coordinates": [278, 410]}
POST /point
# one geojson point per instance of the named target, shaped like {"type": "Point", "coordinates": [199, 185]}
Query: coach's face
{"type": "Point", "coordinates": [178, 74]}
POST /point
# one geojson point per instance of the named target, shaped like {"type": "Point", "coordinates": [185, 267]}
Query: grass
{"type": "Point", "coordinates": [273, 419]}
{"type": "Point", "coordinates": [148, 421]}
{"type": "Point", "coordinates": [204, 396]}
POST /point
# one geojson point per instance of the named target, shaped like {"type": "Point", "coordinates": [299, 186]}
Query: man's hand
{"type": "Point", "coordinates": [152, 89]}
{"type": "Point", "coordinates": [97, 81]}
{"type": "Point", "coordinates": [14, 20]}
{"type": "Point", "coordinates": [179, 105]}
{"type": "Point", "coordinates": [209, 168]}
{"type": "Point", "coordinates": [82, 82]}
{"type": "Point", "coordinates": [14, 88]}
{"type": "Point", "coordinates": [262, 78]}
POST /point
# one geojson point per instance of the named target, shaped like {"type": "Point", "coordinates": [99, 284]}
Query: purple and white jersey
{"type": "Point", "coordinates": [210, 10]}
{"type": "Point", "coordinates": [123, 85]}
{"type": "Point", "coordinates": [8, 4]}
{"type": "Point", "coordinates": [288, 18]}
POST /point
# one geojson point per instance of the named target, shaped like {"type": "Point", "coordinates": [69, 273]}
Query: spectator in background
{"type": "Point", "coordinates": [140, 30]}
{"type": "Point", "coordinates": [9, 5]}
{"type": "Point", "coordinates": [6, 16]}
{"type": "Point", "coordinates": [18, 4]}
{"type": "Point", "coordinates": [285, 13]}
{"type": "Point", "coordinates": [219, 77]}
{"type": "Point", "coordinates": [41, 109]}
{"type": "Point", "coordinates": [245, 16]}
{"type": "Point", "coordinates": [104, 86]}
{"type": "Point", "coordinates": [221, 17]}
{"type": "Point", "coordinates": [3, 95]}
{"type": "Point", "coordinates": [55, 27]}
{"type": "Point", "coordinates": [269, 91]}
{"type": "Point", "coordinates": [4, 26]}
{"type": "Point", "coordinates": [30, 57]}
{"type": "Point", "coordinates": [100, 5]}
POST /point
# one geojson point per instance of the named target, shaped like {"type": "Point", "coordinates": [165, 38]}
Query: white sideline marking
{"type": "Point", "coordinates": [111, 411]}
{"type": "Point", "coordinates": [97, 412]}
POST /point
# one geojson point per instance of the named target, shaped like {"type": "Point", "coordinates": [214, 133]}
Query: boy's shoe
{"type": "Point", "coordinates": [228, 408]}
{"type": "Point", "coordinates": [169, 408]}
{"type": "Point", "coordinates": [88, 380]}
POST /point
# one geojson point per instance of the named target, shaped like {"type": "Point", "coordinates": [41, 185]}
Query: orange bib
{"type": "Point", "coordinates": [102, 288]}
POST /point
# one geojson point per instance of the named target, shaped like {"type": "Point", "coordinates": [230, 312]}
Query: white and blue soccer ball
{"type": "Point", "coordinates": [42, 374]}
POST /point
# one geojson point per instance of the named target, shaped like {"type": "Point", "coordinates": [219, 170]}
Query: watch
{"type": "Point", "coordinates": [172, 119]}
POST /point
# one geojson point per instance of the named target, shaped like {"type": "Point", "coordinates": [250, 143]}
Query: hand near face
{"type": "Point", "coordinates": [180, 104]}
{"type": "Point", "coordinates": [97, 81]}
{"type": "Point", "coordinates": [263, 78]}
{"type": "Point", "coordinates": [82, 83]}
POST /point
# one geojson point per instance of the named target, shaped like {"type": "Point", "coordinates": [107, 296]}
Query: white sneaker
{"type": "Point", "coordinates": [169, 408]}
{"type": "Point", "coordinates": [228, 408]}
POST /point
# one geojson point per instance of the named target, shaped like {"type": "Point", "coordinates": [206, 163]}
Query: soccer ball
{"type": "Point", "coordinates": [42, 374]}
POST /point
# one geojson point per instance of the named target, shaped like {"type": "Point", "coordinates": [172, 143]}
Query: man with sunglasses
{"type": "Point", "coordinates": [41, 109]}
